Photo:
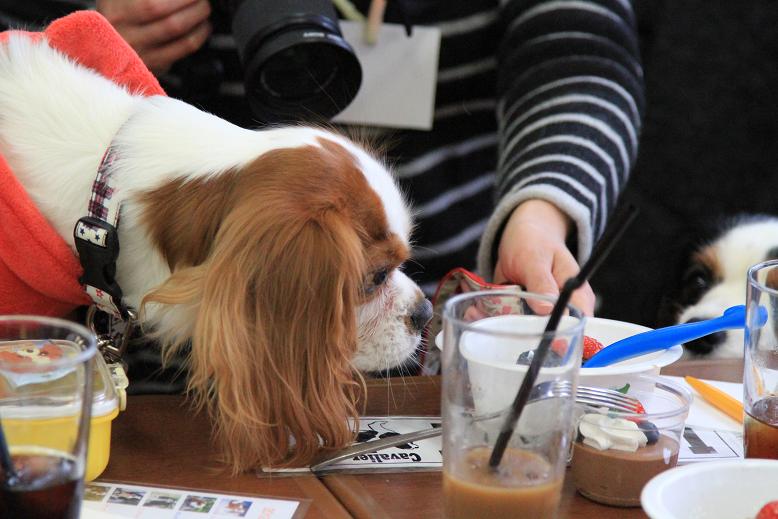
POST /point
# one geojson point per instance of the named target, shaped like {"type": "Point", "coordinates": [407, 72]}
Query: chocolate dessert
{"type": "Point", "coordinates": [613, 458]}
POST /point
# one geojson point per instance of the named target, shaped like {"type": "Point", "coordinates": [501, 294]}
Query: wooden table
{"type": "Point", "coordinates": [159, 441]}
{"type": "Point", "coordinates": [417, 495]}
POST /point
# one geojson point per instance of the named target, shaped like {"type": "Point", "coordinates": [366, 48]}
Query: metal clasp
{"type": "Point", "coordinates": [111, 342]}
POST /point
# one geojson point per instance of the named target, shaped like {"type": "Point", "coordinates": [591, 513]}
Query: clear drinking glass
{"type": "Point", "coordinates": [760, 375]}
{"type": "Point", "coordinates": [484, 334]}
{"type": "Point", "coordinates": [46, 371]}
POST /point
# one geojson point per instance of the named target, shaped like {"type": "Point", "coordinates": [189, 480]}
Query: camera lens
{"type": "Point", "coordinates": [297, 65]}
{"type": "Point", "coordinates": [297, 72]}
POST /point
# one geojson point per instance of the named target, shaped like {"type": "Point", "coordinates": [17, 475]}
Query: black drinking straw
{"type": "Point", "coordinates": [601, 251]}
{"type": "Point", "coordinates": [6, 463]}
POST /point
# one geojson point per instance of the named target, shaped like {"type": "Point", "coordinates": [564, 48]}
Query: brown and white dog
{"type": "Point", "coordinates": [277, 253]}
{"type": "Point", "coordinates": [716, 280]}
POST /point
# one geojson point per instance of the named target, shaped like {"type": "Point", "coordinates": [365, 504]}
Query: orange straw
{"type": "Point", "coordinates": [717, 398]}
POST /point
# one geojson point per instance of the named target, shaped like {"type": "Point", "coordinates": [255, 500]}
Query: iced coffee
{"type": "Point", "coordinates": [523, 485]}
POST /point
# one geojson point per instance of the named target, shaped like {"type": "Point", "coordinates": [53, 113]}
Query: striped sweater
{"type": "Point", "coordinates": [535, 99]}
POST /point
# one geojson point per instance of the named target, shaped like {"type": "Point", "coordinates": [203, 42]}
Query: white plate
{"type": "Point", "coordinates": [608, 331]}
{"type": "Point", "coordinates": [712, 490]}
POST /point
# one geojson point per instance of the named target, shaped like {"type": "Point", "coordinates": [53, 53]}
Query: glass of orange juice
{"type": "Point", "coordinates": [46, 372]}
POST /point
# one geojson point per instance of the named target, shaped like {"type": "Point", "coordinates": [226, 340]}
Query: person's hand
{"type": "Point", "coordinates": [160, 31]}
{"type": "Point", "coordinates": [532, 253]}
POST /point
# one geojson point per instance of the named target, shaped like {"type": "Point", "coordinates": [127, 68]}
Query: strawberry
{"type": "Point", "coordinates": [768, 511]}
{"type": "Point", "coordinates": [559, 346]}
{"type": "Point", "coordinates": [639, 407]}
{"type": "Point", "coordinates": [590, 347]}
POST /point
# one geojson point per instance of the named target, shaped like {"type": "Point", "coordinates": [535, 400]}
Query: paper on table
{"type": "Point", "coordinates": [703, 414]}
{"type": "Point", "coordinates": [88, 513]}
{"type": "Point", "coordinates": [419, 455]}
{"type": "Point", "coordinates": [422, 454]}
{"type": "Point", "coordinates": [113, 500]}
{"type": "Point", "coordinates": [711, 434]}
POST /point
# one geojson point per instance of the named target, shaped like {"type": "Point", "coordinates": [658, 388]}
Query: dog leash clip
{"type": "Point", "coordinates": [113, 334]}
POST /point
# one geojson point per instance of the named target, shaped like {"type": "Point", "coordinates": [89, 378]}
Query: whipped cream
{"type": "Point", "coordinates": [603, 432]}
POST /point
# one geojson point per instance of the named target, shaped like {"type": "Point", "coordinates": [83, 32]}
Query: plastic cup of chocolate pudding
{"type": "Point", "coordinates": [616, 453]}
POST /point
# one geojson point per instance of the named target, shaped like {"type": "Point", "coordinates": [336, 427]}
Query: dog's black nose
{"type": "Point", "coordinates": [705, 345]}
{"type": "Point", "coordinates": [421, 315]}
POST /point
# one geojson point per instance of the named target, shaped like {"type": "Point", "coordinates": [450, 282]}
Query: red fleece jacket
{"type": "Point", "coordinates": [38, 270]}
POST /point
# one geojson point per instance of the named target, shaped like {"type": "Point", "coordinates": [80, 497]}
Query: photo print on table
{"type": "Point", "coordinates": [95, 492]}
{"type": "Point", "coordinates": [162, 500]}
{"type": "Point", "coordinates": [233, 507]}
{"type": "Point", "coordinates": [123, 496]}
{"type": "Point", "coordinates": [198, 504]}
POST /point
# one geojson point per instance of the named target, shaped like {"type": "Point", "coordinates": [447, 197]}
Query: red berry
{"type": "Point", "coordinates": [590, 347]}
{"type": "Point", "coordinates": [559, 346]}
{"type": "Point", "coordinates": [768, 511]}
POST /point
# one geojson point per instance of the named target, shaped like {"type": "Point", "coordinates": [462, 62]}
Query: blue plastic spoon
{"type": "Point", "coordinates": [663, 338]}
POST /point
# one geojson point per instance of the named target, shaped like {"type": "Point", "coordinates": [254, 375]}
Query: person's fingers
{"type": "Point", "coordinates": [167, 29]}
{"type": "Point", "coordinates": [565, 267]}
{"type": "Point", "coordinates": [161, 58]}
{"type": "Point", "coordinates": [541, 283]}
{"type": "Point", "coordinates": [499, 276]}
{"type": "Point", "coordinates": [139, 11]}
{"type": "Point", "coordinates": [473, 313]}
{"type": "Point", "coordinates": [584, 299]}
{"type": "Point", "coordinates": [535, 276]}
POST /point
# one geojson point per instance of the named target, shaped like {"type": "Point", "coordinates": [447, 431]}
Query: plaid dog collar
{"type": "Point", "coordinates": [97, 242]}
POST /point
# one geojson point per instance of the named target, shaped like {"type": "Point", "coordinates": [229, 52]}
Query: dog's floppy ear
{"type": "Point", "coordinates": [274, 336]}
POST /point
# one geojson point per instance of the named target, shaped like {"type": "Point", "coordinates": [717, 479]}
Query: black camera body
{"type": "Point", "coordinates": [297, 65]}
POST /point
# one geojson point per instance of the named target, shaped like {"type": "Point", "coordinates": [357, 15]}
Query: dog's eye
{"type": "Point", "coordinates": [698, 277]}
{"type": "Point", "coordinates": [374, 280]}
{"type": "Point", "coordinates": [380, 277]}
{"type": "Point", "coordinates": [695, 282]}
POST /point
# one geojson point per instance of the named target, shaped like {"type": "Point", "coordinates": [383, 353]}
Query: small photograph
{"type": "Point", "coordinates": [123, 496]}
{"type": "Point", "coordinates": [162, 500]}
{"type": "Point", "coordinates": [95, 492]}
{"type": "Point", "coordinates": [379, 429]}
{"type": "Point", "coordinates": [198, 504]}
{"type": "Point", "coordinates": [233, 507]}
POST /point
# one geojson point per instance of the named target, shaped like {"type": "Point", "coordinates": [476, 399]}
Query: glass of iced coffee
{"type": "Point", "coordinates": [45, 403]}
{"type": "Point", "coordinates": [760, 375]}
{"type": "Point", "coordinates": [489, 338]}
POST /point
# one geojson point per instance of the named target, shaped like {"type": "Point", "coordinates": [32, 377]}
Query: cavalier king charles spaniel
{"type": "Point", "coordinates": [716, 280]}
{"type": "Point", "coordinates": [276, 253]}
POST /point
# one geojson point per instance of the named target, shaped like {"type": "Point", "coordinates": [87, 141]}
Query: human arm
{"type": "Point", "coordinates": [543, 267]}
{"type": "Point", "coordinates": [160, 31]}
{"type": "Point", "coordinates": [570, 103]}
